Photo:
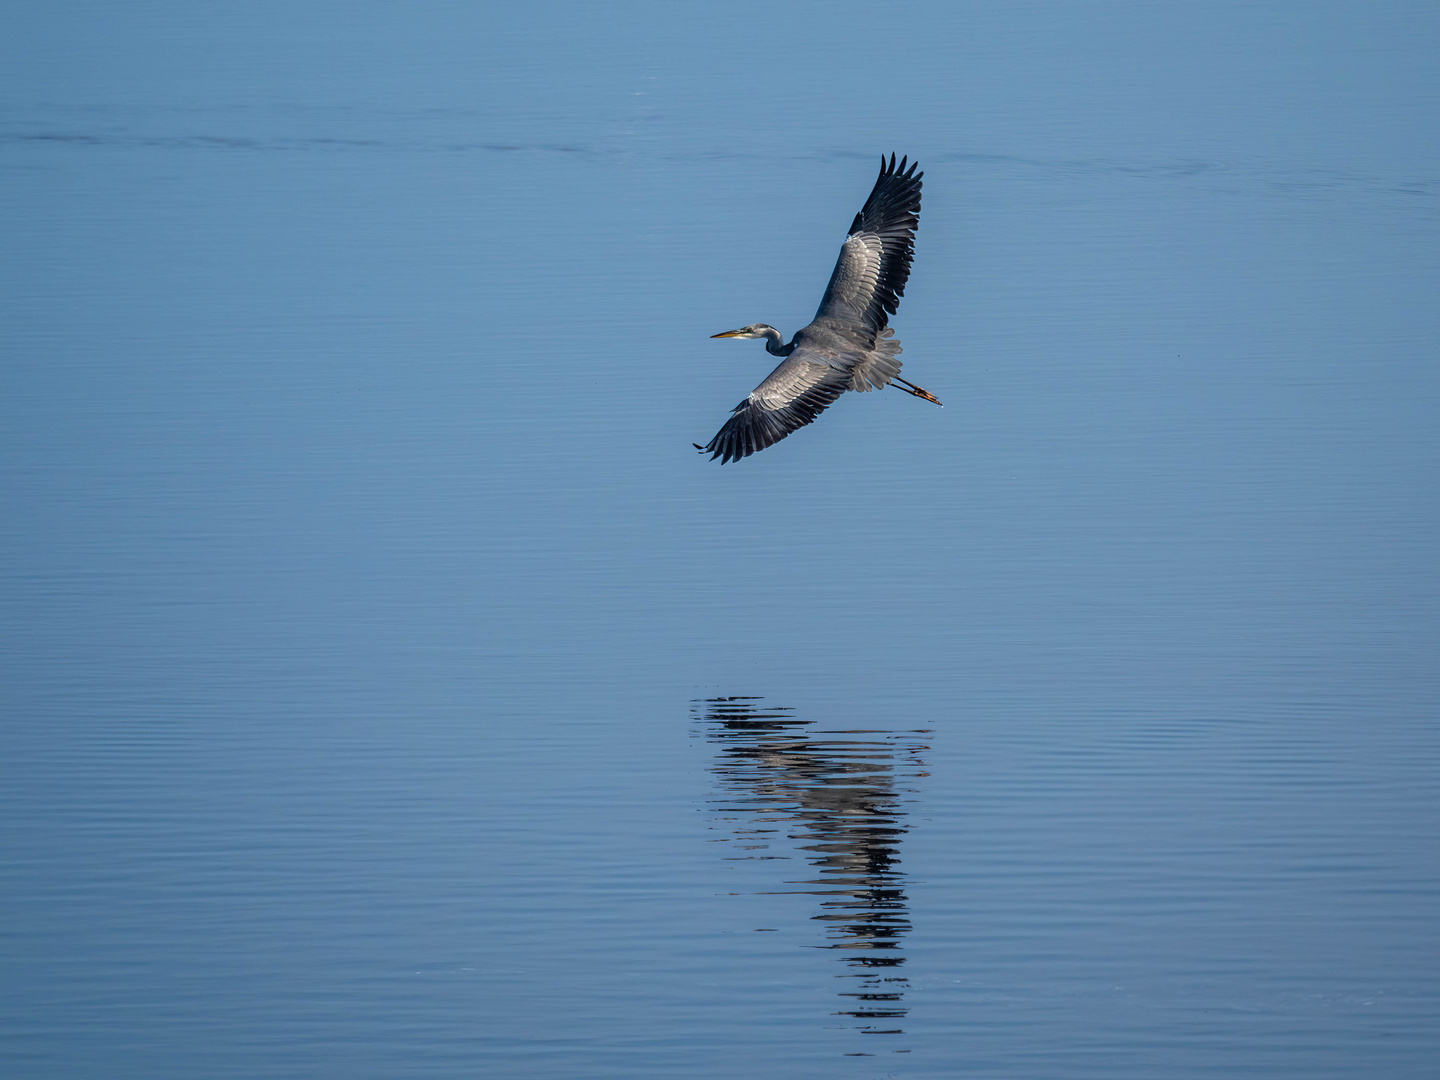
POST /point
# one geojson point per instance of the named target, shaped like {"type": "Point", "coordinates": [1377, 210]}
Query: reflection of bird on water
{"type": "Point", "coordinates": [849, 345]}
{"type": "Point", "coordinates": [843, 793]}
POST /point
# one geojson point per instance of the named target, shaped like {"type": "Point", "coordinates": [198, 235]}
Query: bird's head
{"type": "Point", "coordinates": [754, 330]}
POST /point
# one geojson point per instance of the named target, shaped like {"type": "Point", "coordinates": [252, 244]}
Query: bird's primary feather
{"type": "Point", "coordinates": [791, 396]}
{"type": "Point", "coordinates": [874, 263]}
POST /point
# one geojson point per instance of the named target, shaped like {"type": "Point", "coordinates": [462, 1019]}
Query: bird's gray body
{"type": "Point", "coordinates": [849, 345]}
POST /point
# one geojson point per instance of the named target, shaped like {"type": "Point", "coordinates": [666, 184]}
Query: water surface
{"type": "Point", "coordinates": [391, 691]}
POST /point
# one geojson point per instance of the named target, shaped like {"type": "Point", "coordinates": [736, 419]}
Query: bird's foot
{"type": "Point", "coordinates": [916, 391]}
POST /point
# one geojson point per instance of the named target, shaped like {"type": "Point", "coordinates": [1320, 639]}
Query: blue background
{"type": "Point", "coordinates": [362, 591]}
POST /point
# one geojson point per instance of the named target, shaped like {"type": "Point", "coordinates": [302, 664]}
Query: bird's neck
{"type": "Point", "coordinates": [773, 343]}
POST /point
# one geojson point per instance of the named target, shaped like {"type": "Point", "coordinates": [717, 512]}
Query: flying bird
{"type": "Point", "coordinates": [849, 345]}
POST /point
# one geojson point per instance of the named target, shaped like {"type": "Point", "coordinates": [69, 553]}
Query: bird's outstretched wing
{"type": "Point", "coordinates": [791, 396]}
{"type": "Point", "coordinates": [874, 263]}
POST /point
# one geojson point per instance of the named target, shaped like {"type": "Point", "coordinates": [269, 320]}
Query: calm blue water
{"type": "Point", "coordinates": [390, 691]}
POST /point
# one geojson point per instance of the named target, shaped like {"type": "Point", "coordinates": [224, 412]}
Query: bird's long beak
{"type": "Point", "coordinates": [727, 333]}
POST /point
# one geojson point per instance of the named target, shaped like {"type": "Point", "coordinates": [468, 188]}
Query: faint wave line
{"type": "Point", "coordinates": [240, 142]}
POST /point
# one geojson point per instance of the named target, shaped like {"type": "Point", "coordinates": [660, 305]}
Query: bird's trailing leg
{"type": "Point", "coordinates": [911, 388]}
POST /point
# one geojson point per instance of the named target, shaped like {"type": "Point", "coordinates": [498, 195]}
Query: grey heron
{"type": "Point", "coordinates": [849, 345]}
